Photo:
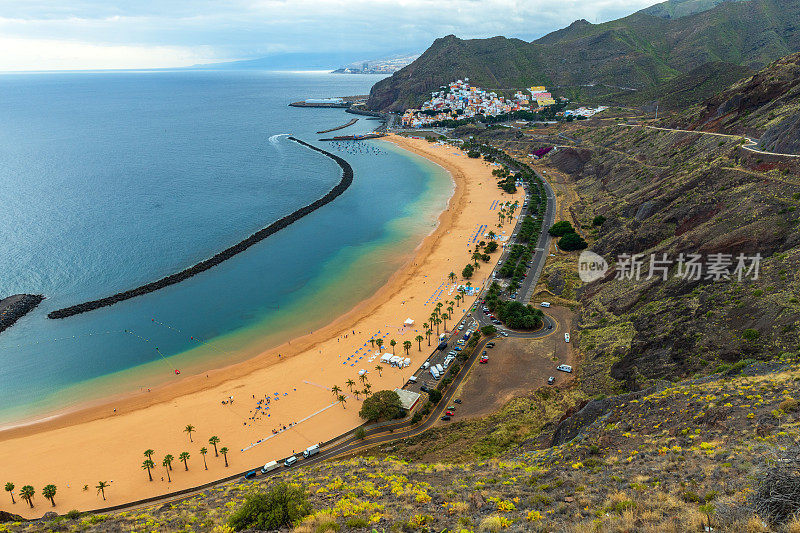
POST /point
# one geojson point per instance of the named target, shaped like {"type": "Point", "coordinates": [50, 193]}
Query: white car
{"type": "Point", "coordinates": [564, 368]}
{"type": "Point", "coordinates": [566, 337]}
{"type": "Point", "coordinates": [545, 304]}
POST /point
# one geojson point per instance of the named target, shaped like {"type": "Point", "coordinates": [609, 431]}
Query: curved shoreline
{"type": "Point", "coordinates": [311, 361]}
{"type": "Point", "coordinates": [202, 266]}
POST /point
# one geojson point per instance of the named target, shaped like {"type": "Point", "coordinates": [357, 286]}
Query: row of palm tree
{"type": "Point", "coordinates": [150, 465]}
{"type": "Point", "coordinates": [366, 391]}
{"type": "Point", "coordinates": [27, 492]}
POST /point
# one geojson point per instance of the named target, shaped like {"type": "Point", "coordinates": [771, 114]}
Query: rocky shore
{"type": "Point", "coordinates": [15, 307]}
{"type": "Point", "coordinates": [346, 181]}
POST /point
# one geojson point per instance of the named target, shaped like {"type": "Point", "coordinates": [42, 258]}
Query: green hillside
{"type": "Point", "coordinates": [639, 51]}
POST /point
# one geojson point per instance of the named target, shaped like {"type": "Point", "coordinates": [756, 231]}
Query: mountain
{"type": "Point", "coordinates": [763, 105]}
{"type": "Point", "coordinates": [385, 65]}
{"type": "Point", "coordinates": [682, 8]}
{"type": "Point", "coordinates": [635, 52]}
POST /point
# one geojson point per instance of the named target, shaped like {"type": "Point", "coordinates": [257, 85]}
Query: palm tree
{"type": "Point", "coordinates": [438, 321]}
{"type": "Point", "coordinates": [9, 489]}
{"type": "Point", "coordinates": [188, 429]}
{"type": "Point", "coordinates": [350, 384]}
{"type": "Point", "coordinates": [336, 390]}
{"type": "Point", "coordinates": [168, 460]}
{"type": "Point", "coordinates": [407, 346]}
{"type": "Point", "coordinates": [224, 452]}
{"type": "Point", "coordinates": [342, 400]}
{"type": "Point", "coordinates": [367, 389]}
{"type": "Point", "coordinates": [184, 456]}
{"type": "Point", "coordinates": [147, 465]}
{"type": "Point", "coordinates": [492, 235]}
{"type": "Point", "coordinates": [101, 488]}
{"type": "Point", "coordinates": [428, 333]}
{"type": "Point", "coordinates": [379, 368]}
{"type": "Point", "coordinates": [49, 492]}
{"type": "Point", "coordinates": [363, 378]}
{"type": "Point", "coordinates": [458, 300]}
{"type": "Point", "coordinates": [393, 343]}
{"type": "Point", "coordinates": [372, 341]}
{"type": "Point", "coordinates": [444, 319]}
{"type": "Point", "coordinates": [149, 453]}
{"type": "Point", "coordinates": [213, 441]}
{"type": "Point", "coordinates": [425, 326]}
{"type": "Point", "coordinates": [26, 493]}
{"type": "Point", "coordinates": [379, 342]}
{"type": "Point", "coordinates": [419, 339]}
{"type": "Point", "coordinates": [356, 393]}
{"type": "Point", "coordinates": [203, 452]}
{"type": "Point", "coordinates": [451, 276]}
{"type": "Point", "coordinates": [166, 463]}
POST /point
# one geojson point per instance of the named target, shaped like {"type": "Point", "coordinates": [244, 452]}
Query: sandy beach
{"type": "Point", "coordinates": [105, 441]}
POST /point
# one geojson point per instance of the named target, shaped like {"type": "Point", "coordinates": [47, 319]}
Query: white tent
{"type": "Point", "coordinates": [409, 322]}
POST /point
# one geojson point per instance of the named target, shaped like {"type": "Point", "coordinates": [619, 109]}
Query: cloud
{"type": "Point", "coordinates": [44, 54]}
{"type": "Point", "coordinates": [184, 32]}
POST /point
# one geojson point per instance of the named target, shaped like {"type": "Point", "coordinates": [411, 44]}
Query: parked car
{"type": "Point", "coordinates": [290, 461]}
{"type": "Point", "coordinates": [445, 418]}
{"type": "Point", "coordinates": [566, 337]}
{"type": "Point", "coordinates": [460, 327]}
{"type": "Point", "coordinates": [503, 333]}
{"type": "Point", "coordinates": [564, 368]}
{"type": "Point", "coordinates": [424, 388]}
{"type": "Point", "coordinates": [545, 304]}
{"type": "Point", "coordinates": [251, 474]}
{"type": "Point", "coordinates": [484, 352]}
{"type": "Point", "coordinates": [451, 408]}
{"type": "Point", "coordinates": [452, 352]}
{"type": "Point", "coordinates": [458, 348]}
{"type": "Point", "coordinates": [450, 413]}
{"type": "Point", "coordinates": [457, 400]}
{"type": "Point", "coordinates": [551, 380]}
{"type": "Point", "coordinates": [490, 345]}
{"type": "Point", "coordinates": [270, 466]}
{"type": "Point", "coordinates": [484, 360]}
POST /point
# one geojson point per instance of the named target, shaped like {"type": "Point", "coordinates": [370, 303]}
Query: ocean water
{"type": "Point", "coordinates": [111, 180]}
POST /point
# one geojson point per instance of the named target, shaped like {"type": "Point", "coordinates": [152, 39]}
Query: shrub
{"type": "Point", "coordinates": [282, 506]}
{"type": "Point", "coordinates": [383, 404]}
{"type": "Point", "coordinates": [491, 247]}
{"type": "Point", "coordinates": [559, 229]}
{"type": "Point", "coordinates": [468, 271]}
{"type": "Point", "coordinates": [788, 405]}
{"type": "Point", "coordinates": [73, 514]}
{"type": "Point", "coordinates": [434, 395]}
{"type": "Point", "coordinates": [598, 220]}
{"type": "Point", "coordinates": [572, 241]}
{"type": "Point", "coordinates": [472, 154]}
{"type": "Point", "coordinates": [361, 433]}
{"type": "Point", "coordinates": [357, 522]}
{"type": "Point", "coordinates": [416, 417]}
{"type": "Point", "coordinates": [751, 334]}
{"type": "Point", "coordinates": [488, 330]}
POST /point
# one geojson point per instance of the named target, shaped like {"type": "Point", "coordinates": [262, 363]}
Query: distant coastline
{"type": "Point", "coordinates": [344, 183]}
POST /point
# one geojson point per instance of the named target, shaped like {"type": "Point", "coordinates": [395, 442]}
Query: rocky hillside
{"type": "Point", "coordinates": [669, 459]}
{"type": "Point", "coordinates": [765, 105]}
{"type": "Point", "coordinates": [638, 51]}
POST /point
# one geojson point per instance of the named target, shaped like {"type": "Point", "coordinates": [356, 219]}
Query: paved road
{"type": "Point", "coordinates": [749, 142]}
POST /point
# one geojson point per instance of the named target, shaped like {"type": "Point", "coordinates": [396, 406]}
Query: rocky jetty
{"type": "Point", "coordinates": [202, 266]}
{"type": "Point", "coordinates": [15, 307]}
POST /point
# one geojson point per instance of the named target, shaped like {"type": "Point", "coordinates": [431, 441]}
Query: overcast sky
{"type": "Point", "coordinates": [99, 34]}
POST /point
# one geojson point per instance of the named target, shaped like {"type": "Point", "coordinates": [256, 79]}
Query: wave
{"type": "Point", "coordinates": [274, 138]}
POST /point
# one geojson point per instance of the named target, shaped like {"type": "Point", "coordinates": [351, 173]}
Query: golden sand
{"type": "Point", "coordinates": [97, 443]}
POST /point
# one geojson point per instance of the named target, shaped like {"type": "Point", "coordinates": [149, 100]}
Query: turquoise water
{"type": "Point", "coordinates": [110, 180]}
